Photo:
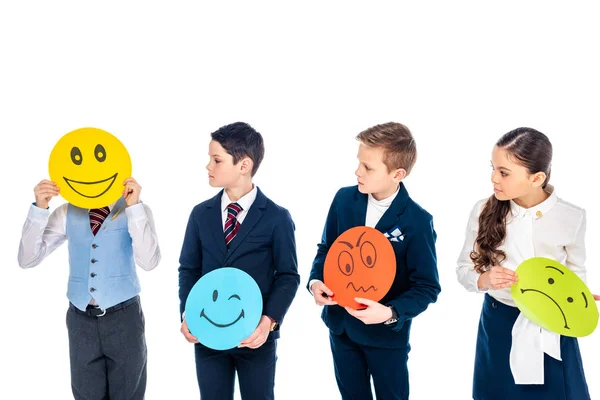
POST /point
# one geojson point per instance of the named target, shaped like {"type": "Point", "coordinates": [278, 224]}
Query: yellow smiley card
{"type": "Point", "coordinates": [552, 296]}
{"type": "Point", "coordinates": [89, 166]}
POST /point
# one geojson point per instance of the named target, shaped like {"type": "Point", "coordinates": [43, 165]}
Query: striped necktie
{"type": "Point", "coordinates": [232, 226]}
{"type": "Point", "coordinates": [97, 217]}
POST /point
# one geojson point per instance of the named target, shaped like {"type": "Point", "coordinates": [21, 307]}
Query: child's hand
{"type": "Point", "coordinates": [132, 191]}
{"type": "Point", "coordinates": [187, 334]}
{"type": "Point", "coordinates": [322, 294]}
{"type": "Point", "coordinates": [375, 313]}
{"type": "Point", "coordinates": [596, 297]}
{"type": "Point", "coordinates": [259, 336]}
{"type": "Point", "coordinates": [497, 278]}
{"type": "Point", "coordinates": [44, 191]}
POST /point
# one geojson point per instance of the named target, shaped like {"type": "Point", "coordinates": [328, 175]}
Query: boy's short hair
{"type": "Point", "coordinates": [241, 140]}
{"type": "Point", "coordinates": [399, 147]}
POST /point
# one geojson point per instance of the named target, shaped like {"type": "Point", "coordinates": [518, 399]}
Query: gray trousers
{"type": "Point", "coordinates": [108, 353]}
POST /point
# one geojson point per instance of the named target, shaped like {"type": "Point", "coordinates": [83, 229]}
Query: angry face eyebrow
{"type": "Point", "coordinates": [359, 238]}
{"type": "Point", "coordinates": [347, 244]}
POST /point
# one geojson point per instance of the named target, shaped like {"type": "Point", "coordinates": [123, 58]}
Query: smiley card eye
{"type": "Point", "coordinates": [570, 299]}
{"type": "Point", "coordinates": [76, 156]}
{"type": "Point", "coordinates": [234, 296]}
{"type": "Point", "coordinates": [551, 281]}
{"type": "Point", "coordinates": [346, 263]}
{"type": "Point", "coordinates": [215, 295]}
{"type": "Point", "coordinates": [368, 254]}
{"type": "Point", "coordinates": [100, 153]}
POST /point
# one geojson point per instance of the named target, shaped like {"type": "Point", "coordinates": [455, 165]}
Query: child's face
{"type": "Point", "coordinates": [511, 180]}
{"type": "Point", "coordinates": [222, 172]}
{"type": "Point", "coordinates": [373, 175]}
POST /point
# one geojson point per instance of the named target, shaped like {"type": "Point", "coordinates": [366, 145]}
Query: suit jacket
{"type": "Point", "coordinates": [416, 283]}
{"type": "Point", "coordinates": [264, 247]}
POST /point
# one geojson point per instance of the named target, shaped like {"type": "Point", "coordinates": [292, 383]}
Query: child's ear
{"type": "Point", "coordinates": [246, 165]}
{"type": "Point", "coordinates": [399, 174]}
{"type": "Point", "coordinates": [538, 179]}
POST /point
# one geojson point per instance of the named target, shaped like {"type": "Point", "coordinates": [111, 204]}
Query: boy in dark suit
{"type": "Point", "coordinates": [375, 341]}
{"type": "Point", "coordinates": [240, 227]}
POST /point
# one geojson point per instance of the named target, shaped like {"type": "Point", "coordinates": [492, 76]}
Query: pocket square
{"type": "Point", "coordinates": [394, 234]}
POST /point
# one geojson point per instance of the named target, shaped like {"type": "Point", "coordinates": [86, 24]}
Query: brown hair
{"type": "Point", "coordinates": [531, 149]}
{"type": "Point", "coordinates": [399, 147]}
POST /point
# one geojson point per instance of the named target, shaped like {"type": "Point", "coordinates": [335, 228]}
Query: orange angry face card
{"type": "Point", "coordinates": [360, 263]}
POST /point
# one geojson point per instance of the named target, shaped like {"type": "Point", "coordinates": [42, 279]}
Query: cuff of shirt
{"type": "Point", "coordinates": [38, 214]}
{"type": "Point", "coordinates": [472, 278]}
{"type": "Point", "coordinates": [136, 212]}
{"type": "Point", "coordinates": [310, 283]}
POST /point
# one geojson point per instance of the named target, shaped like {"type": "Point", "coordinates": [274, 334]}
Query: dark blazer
{"type": "Point", "coordinates": [416, 284]}
{"type": "Point", "coordinates": [264, 247]}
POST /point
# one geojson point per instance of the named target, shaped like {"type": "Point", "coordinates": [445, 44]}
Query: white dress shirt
{"type": "Point", "coordinates": [554, 229]}
{"type": "Point", "coordinates": [44, 232]}
{"type": "Point", "coordinates": [245, 202]}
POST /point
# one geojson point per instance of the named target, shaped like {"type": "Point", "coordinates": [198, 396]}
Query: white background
{"type": "Point", "coordinates": [162, 75]}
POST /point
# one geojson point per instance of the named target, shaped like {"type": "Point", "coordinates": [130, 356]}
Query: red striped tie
{"type": "Point", "coordinates": [232, 226]}
{"type": "Point", "coordinates": [97, 217]}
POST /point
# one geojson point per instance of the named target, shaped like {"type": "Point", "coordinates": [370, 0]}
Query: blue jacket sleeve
{"type": "Point", "coordinates": [330, 233]}
{"type": "Point", "coordinates": [286, 278]}
{"type": "Point", "coordinates": [421, 261]}
{"type": "Point", "coordinates": [190, 259]}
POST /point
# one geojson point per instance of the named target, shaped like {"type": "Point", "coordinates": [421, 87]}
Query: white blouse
{"type": "Point", "coordinates": [554, 229]}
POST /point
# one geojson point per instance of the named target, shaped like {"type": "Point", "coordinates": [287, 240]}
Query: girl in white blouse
{"type": "Point", "coordinates": [516, 359]}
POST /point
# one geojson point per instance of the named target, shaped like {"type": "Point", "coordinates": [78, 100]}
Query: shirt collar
{"type": "Point", "coordinates": [384, 202]}
{"type": "Point", "coordinates": [111, 206]}
{"type": "Point", "coordinates": [245, 201]}
{"type": "Point", "coordinates": [536, 211]}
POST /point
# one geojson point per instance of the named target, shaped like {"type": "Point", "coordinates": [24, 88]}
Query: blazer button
{"type": "Point", "coordinates": [94, 246]}
{"type": "Point", "coordinates": [92, 274]}
{"type": "Point", "coordinates": [494, 304]}
{"type": "Point", "coordinates": [94, 261]}
{"type": "Point", "coordinates": [92, 289]}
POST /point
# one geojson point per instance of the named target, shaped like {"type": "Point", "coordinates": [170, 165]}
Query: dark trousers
{"type": "Point", "coordinates": [355, 364]}
{"type": "Point", "coordinates": [216, 372]}
{"type": "Point", "coordinates": [108, 353]}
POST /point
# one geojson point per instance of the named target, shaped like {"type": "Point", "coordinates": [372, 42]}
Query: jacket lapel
{"type": "Point", "coordinates": [360, 209]}
{"type": "Point", "coordinates": [390, 217]}
{"type": "Point", "coordinates": [215, 223]}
